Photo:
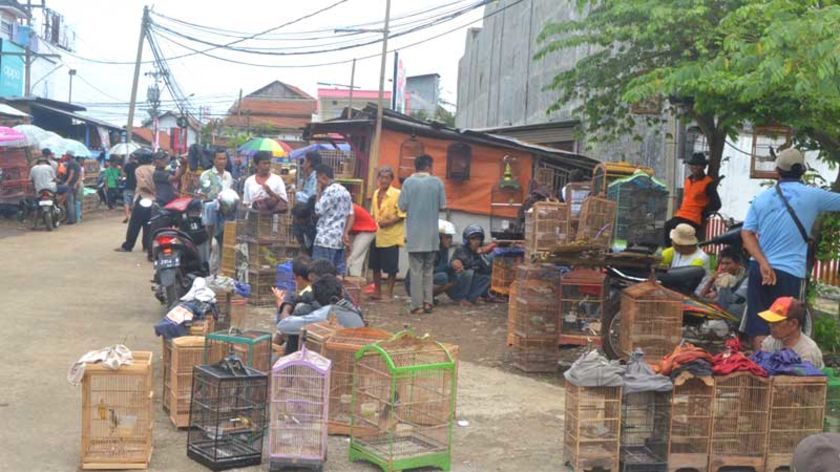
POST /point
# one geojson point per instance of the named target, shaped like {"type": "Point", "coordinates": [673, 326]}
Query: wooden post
{"type": "Point", "coordinates": [373, 161]}
{"type": "Point", "coordinates": [130, 125]}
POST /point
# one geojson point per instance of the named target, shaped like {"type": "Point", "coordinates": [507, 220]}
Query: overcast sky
{"type": "Point", "coordinates": [108, 30]}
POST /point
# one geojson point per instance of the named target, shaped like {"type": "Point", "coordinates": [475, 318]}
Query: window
{"type": "Point", "coordinates": [458, 159]}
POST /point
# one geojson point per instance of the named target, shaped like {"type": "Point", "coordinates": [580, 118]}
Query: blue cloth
{"type": "Point", "coordinates": [508, 252]}
{"type": "Point", "coordinates": [760, 297]}
{"type": "Point", "coordinates": [469, 285]}
{"type": "Point", "coordinates": [778, 237]}
{"type": "Point", "coordinates": [301, 152]}
{"type": "Point", "coordinates": [169, 329]}
{"type": "Point", "coordinates": [310, 186]}
{"type": "Point", "coordinates": [285, 279]}
{"type": "Point", "coordinates": [336, 256]}
{"type": "Point", "coordinates": [242, 289]}
{"type": "Point", "coordinates": [785, 362]}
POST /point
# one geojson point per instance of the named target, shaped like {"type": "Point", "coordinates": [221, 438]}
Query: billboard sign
{"type": "Point", "coordinates": [11, 69]}
{"type": "Point", "coordinates": [399, 85]}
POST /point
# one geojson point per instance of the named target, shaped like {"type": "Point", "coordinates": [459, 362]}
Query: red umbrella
{"type": "Point", "coordinates": [285, 146]}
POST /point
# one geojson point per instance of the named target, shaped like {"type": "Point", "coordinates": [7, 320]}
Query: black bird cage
{"type": "Point", "coordinates": [228, 417]}
{"type": "Point", "coordinates": [458, 161]}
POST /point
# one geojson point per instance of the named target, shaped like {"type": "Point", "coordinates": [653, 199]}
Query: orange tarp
{"type": "Point", "coordinates": [472, 195]}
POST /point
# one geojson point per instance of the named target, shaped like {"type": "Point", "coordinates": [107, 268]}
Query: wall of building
{"type": "Point", "coordinates": [423, 93]}
{"type": "Point", "coordinates": [168, 122]}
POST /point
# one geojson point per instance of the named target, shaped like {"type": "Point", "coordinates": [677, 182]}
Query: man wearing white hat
{"type": "Point", "coordinates": [684, 251]}
{"type": "Point", "coordinates": [776, 233]}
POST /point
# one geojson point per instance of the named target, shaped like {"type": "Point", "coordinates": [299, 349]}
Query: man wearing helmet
{"type": "Point", "coordinates": [471, 267]}
{"type": "Point", "coordinates": [211, 183]}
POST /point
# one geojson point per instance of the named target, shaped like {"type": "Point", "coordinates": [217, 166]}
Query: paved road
{"type": "Point", "coordinates": [67, 292]}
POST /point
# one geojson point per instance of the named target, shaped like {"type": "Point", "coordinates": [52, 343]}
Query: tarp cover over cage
{"type": "Point", "coordinates": [641, 210]}
{"type": "Point", "coordinates": [404, 391]}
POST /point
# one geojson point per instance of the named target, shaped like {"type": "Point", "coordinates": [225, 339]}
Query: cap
{"type": "Point", "coordinates": [786, 159]}
{"type": "Point", "coordinates": [779, 310]}
{"type": "Point", "coordinates": [697, 159]}
{"type": "Point", "coordinates": [817, 453]}
{"type": "Point", "coordinates": [684, 235]}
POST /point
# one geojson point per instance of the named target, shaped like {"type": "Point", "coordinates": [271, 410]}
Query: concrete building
{"type": "Point", "coordinates": [173, 137]}
{"type": "Point", "coordinates": [332, 101]}
{"type": "Point", "coordinates": [278, 110]}
{"type": "Point", "coordinates": [422, 94]}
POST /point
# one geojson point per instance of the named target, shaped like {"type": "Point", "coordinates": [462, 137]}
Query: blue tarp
{"type": "Point", "coordinates": [299, 153]}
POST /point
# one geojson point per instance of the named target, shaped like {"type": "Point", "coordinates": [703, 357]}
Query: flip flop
{"type": "Point", "coordinates": [416, 311]}
{"type": "Point", "coordinates": [427, 308]}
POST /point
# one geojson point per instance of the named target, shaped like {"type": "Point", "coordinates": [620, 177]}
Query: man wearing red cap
{"type": "Point", "coordinates": [785, 319]}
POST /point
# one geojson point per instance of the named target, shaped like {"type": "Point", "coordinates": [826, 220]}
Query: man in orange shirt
{"type": "Point", "coordinates": [700, 198]}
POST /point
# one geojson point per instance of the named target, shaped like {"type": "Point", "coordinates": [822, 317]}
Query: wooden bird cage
{"type": "Point", "coordinates": [117, 415]}
{"type": "Point", "coordinates": [607, 172]}
{"type": "Point", "coordinates": [767, 140]}
{"type": "Point", "coordinates": [592, 427]}
{"type": "Point", "coordinates": [187, 352]}
{"type": "Point", "coordinates": [261, 285]}
{"type": "Point", "coordinates": [832, 403]}
{"type": "Point", "coordinates": [574, 193]}
{"type": "Point", "coordinates": [252, 347]}
{"type": "Point", "coordinates": [202, 327]}
{"type": "Point", "coordinates": [340, 348]}
{"type": "Point", "coordinates": [597, 221]}
{"type": "Point", "coordinates": [641, 210]}
{"type": "Point", "coordinates": [644, 431]}
{"type": "Point", "coordinates": [583, 296]}
{"type": "Point", "coordinates": [536, 324]}
{"type": "Point", "coordinates": [458, 161]}
{"type": "Point", "coordinates": [343, 163]}
{"type": "Point", "coordinates": [268, 228]}
{"type": "Point", "coordinates": [356, 189]}
{"type": "Point", "coordinates": [227, 415]}
{"type": "Point", "coordinates": [300, 385]}
{"type": "Point", "coordinates": [740, 421]}
{"type": "Point", "coordinates": [231, 311]}
{"type": "Point", "coordinates": [264, 257]}
{"type": "Point", "coordinates": [651, 319]}
{"type": "Point", "coordinates": [353, 287]}
{"type": "Point", "coordinates": [505, 203]}
{"type": "Point", "coordinates": [166, 362]}
{"type": "Point", "coordinates": [691, 424]}
{"type": "Point", "coordinates": [511, 319]}
{"type": "Point", "coordinates": [228, 259]}
{"type": "Point", "coordinates": [409, 150]}
{"type": "Point", "coordinates": [504, 274]}
{"type": "Point", "coordinates": [316, 335]}
{"type": "Point", "coordinates": [797, 410]}
{"type": "Point", "coordinates": [546, 226]}
{"type": "Point", "coordinates": [404, 391]}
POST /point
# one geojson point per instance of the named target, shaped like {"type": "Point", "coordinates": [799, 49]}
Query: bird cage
{"type": "Point", "coordinates": [504, 273]}
{"type": "Point", "coordinates": [546, 226]}
{"type": "Point", "coordinates": [606, 173]}
{"type": "Point", "coordinates": [117, 416]}
{"type": "Point", "coordinates": [511, 319]}
{"type": "Point", "coordinates": [583, 295]}
{"type": "Point", "coordinates": [766, 140]}
{"type": "Point", "coordinates": [166, 360]}
{"type": "Point", "coordinates": [356, 189]}
{"type": "Point", "coordinates": [832, 403]}
{"type": "Point", "coordinates": [259, 227]}
{"type": "Point", "coordinates": [315, 335]}
{"type": "Point", "coordinates": [597, 221]}
{"type": "Point", "coordinates": [264, 257]}
{"type": "Point", "coordinates": [506, 200]}
{"type": "Point", "coordinates": [187, 352]}
{"type": "Point", "coordinates": [202, 327]}
{"type": "Point", "coordinates": [227, 265]}
{"type": "Point", "coordinates": [231, 310]}
{"type": "Point", "coordinates": [592, 427]}
{"type": "Point", "coordinates": [740, 421]}
{"type": "Point", "coordinates": [353, 287]}
{"type": "Point", "coordinates": [343, 163]}
{"type": "Point", "coordinates": [574, 194]}
{"type": "Point", "coordinates": [644, 431]}
{"type": "Point", "coordinates": [403, 405]}
{"type": "Point", "coordinates": [340, 348]}
{"type": "Point", "coordinates": [261, 285]}
{"type": "Point", "coordinates": [797, 410]}
{"type": "Point", "coordinates": [536, 324]}
{"type": "Point", "coordinates": [297, 431]}
{"type": "Point", "coordinates": [227, 415]}
{"type": "Point", "coordinates": [651, 319]}
{"type": "Point", "coordinates": [252, 347]}
{"type": "Point", "coordinates": [691, 424]}
{"type": "Point", "coordinates": [409, 149]}
{"type": "Point", "coordinates": [641, 210]}
{"type": "Point", "coordinates": [458, 161]}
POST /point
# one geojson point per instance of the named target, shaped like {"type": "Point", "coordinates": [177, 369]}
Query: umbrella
{"type": "Point", "coordinates": [78, 149]}
{"type": "Point", "coordinates": [33, 133]}
{"type": "Point", "coordinates": [300, 152]}
{"type": "Point", "coordinates": [263, 144]}
{"type": "Point", "coordinates": [12, 137]}
{"type": "Point", "coordinates": [124, 149]}
{"type": "Point", "coordinates": [56, 144]}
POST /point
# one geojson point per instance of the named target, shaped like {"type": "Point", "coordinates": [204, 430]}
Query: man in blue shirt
{"type": "Point", "coordinates": [778, 249]}
{"type": "Point", "coordinates": [304, 219]}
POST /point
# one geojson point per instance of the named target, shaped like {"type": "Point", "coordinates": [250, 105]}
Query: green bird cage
{"type": "Point", "coordinates": [403, 403]}
{"type": "Point", "coordinates": [252, 347]}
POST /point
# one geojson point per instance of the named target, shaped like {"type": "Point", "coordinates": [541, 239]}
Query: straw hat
{"type": "Point", "coordinates": [684, 235]}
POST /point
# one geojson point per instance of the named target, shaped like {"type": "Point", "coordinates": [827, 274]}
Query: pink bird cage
{"type": "Point", "coordinates": [300, 400]}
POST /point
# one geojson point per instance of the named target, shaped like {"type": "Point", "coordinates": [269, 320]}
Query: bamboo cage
{"type": "Point", "coordinates": [574, 195]}
{"type": "Point", "coordinates": [644, 431]}
{"type": "Point", "coordinates": [258, 227]}
{"type": "Point", "coordinates": [187, 352]}
{"type": "Point", "coordinates": [535, 325]}
{"type": "Point", "coordinates": [228, 258]}
{"type": "Point", "coordinates": [231, 311]}
{"type": "Point", "coordinates": [832, 403]}
{"type": "Point", "coordinates": [316, 335]}
{"type": "Point", "coordinates": [597, 221]}
{"type": "Point", "coordinates": [651, 319]}
{"type": "Point", "coordinates": [353, 287]}
{"type": "Point", "coordinates": [340, 348]}
{"type": "Point", "coordinates": [691, 424]}
{"type": "Point", "coordinates": [739, 422]}
{"type": "Point", "coordinates": [583, 294]}
{"type": "Point", "coordinates": [403, 404]}
{"type": "Point", "coordinates": [252, 347]}
{"type": "Point", "coordinates": [511, 320]}
{"type": "Point", "coordinates": [642, 209]}
{"type": "Point", "coordinates": [202, 327]}
{"type": "Point", "coordinates": [592, 427]}
{"type": "Point", "coordinates": [263, 257]}
{"type": "Point", "coordinates": [797, 410]}
{"type": "Point", "coordinates": [261, 284]}
{"type": "Point", "coordinates": [608, 172]}
{"type": "Point", "coordinates": [504, 274]}
{"type": "Point", "coordinates": [117, 417]}
{"type": "Point", "coordinates": [166, 359]}
{"type": "Point", "coordinates": [546, 226]}
{"type": "Point", "coordinates": [343, 163]}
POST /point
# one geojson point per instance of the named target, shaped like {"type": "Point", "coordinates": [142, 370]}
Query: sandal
{"type": "Point", "coordinates": [427, 308]}
{"type": "Point", "coordinates": [416, 311]}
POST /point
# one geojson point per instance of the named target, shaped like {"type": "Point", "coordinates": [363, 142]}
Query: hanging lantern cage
{"type": "Point", "coordinates": [768, 140]}
{"type": "Point", "coordinates": [458, 161]}
{"type": "Point", "coordinates": [641, 210]}
{"type": "Point", "coordinates": [506, 200]}
{"type": "Point", "coordinates": [409, 150]}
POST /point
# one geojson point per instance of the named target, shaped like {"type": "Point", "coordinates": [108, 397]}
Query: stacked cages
{"type": "Point", "coordinates": [537, 318]}
{"type": "Point", "coordinates": [340, 348]}
{"type": "Point", "coordinates": [504, 274]}
{"type": "Point", "coordinates": [166, 362]}
{"type": "Point", "coordinates": [739, 422]}
{"type": "Point", "coordinates": [227, 265]}
{"type": "Point", "coordinates": [583, 295]}
{"type": "Point", "coordinates": [297, 437]}
{"type": "Point", "coordinates": [642, 208]}
{"type": "Point", "coordinates": [315, 335]}
{"type": "Point", "coordinates": [231, 310]}
{"type": "Point", "coordinates": [187, 352]}
{"type": "Point", "coordinates": [597, 221]}
{"type": "Point", "coordinates": [117, 415]}
{"type": "Point", "coordinates": [403, 406]}
{"type": "Point", "coordinates": [691, 424]}
{"type": "Point", "coordinates": [264, 240]}
{"type": "Point", "coordinates": [227, 415]}
{"type": "Point", "coordinates": [343, 163]}
{"type": "Point", "coordinates": [797, 410]}
{"type": "Point", "coordinates": [832, 402]}
{"type": "Point", "coordinates": [644, 431]}
{"type": "Point", "coordinates": [511, 316]}
{"type": "Point", "coordinates": [651, 319]}
{"type": "Point", "coordinates": [574, 194]}
{"type": "Point", "coordinates": [252, 347]}
{"type": "Point", "coordinates": [593, 427]}
{"type": "Point", "coordinates": [546, 226]}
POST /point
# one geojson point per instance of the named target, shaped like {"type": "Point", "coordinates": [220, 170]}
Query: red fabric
{"type": "Point", "coordinates": [732, 360]}
{"type": "Point", "coordinates": [363, 222]}
{"type": "Point", "coordinates": [681, 356]}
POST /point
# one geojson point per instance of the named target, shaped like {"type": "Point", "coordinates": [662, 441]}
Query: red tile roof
{"type": "Point", "coordinates": [345, 93]}
{"type": "Point", "coordinates": [147, 136]}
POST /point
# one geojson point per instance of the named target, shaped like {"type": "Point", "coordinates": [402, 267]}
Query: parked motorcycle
{"type": "Point", "coordinates": [43, 208]}
{"type": "Point", "coordinates": [180, 249]}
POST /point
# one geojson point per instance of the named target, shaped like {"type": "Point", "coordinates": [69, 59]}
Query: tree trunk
{"type": "Point", "coordinates": [715, 138]}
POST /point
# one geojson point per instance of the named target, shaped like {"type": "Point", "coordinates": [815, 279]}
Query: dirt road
{"type": "Point", "coordinates": [65, 293]}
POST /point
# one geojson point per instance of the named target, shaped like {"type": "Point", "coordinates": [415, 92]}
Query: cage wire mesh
{"type": "Point", "coordinates": [227, 415]}
{"type": "Point", "coordinates": [259, 227]}
{"type": "Point", "coordinates": [187, 352]}
{"type": "Point", "coordinates": [504, 273]}
{"type": "Point", "coordinates": [644, 432]}
{"type": "Point", "coordinates": [512, 314]}
{"type": "Point", "coordinates": [252, 347]}
{"type": "Point", "coordinates": [797, 410]}
{"type": "Point", "coordinates": [536, 324]}
{"type": "Point", "coordinates": [343, 163]}
{"type": "Point", "coordinates": [651, 319]}
{"type": "Point", "coordinates": [574, 193]}
{"type": "Point", "coordinates": [300, 384]}
{"type": "Point", "coordinates": [261, 285]}
{"type": "Point", "coordinates": [117, 416]}
{"type": "Point", "coordinates": [592, 427]}
{"type": "Point", "coordinates": [740, 421]}
{"type": "Point", "coordinates": [316, 335]}
{"type": "Point", "coordinates": [641, 210]}
{"type": "Point", "coordinates": [166, 359]}
{"type": "Point", "coordinates": [583, 294]}
{"type": "Point", "coordinates": [264, 256]}
{"type": "Point", "coordinates": [403, 405]}
{"type": "Point", "coordinates": [691, 423]}
{"type": "Point", "coordinates": [597, 221]}
{"type": "Point", "coordinates": [231, 310]}
{"type": "Point", "coordinates": [832, 403]}
{"type": "Point", "coordinates": [546, 226]}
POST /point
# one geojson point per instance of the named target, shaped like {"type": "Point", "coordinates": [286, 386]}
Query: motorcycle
{"type": "Point", "coordinates": [43, 208]}
{"type": "Point", "coordinates": [180, 247]}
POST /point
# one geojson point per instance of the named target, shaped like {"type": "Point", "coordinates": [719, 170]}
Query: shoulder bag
{"type": "Point", "coordinates": [809, 259]}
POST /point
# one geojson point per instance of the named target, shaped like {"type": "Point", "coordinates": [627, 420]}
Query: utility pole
{"type": "Point", "coordinates": [352, 83]}
{"type": "Point", "coordinates": [143, 25]}
{"type": "Point", "coordinates": [373, 163]}
{"type": "Point", "coordinates": [153, 97]}
{"type": "Point", "coordinates": [27, 60]}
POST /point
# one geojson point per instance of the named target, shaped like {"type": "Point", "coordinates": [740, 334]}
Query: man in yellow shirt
{"type": "Point", "coordinates": [385, 254]}
{"type": "Point", "coordinates": [684, 251]}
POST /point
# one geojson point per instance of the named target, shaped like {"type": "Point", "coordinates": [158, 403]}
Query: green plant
{"type": "Point", "coordinates": [827, 333]}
